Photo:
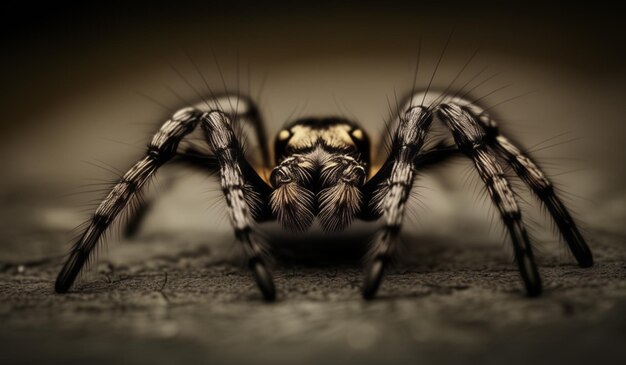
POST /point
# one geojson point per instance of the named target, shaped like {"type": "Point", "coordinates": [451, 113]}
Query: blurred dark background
{"type": "Point", "coordinates": [73, 73]}
{"type": "Point", "coordinates": [86, 85]}
{"type": "Point", "coordinates": [92, 83]}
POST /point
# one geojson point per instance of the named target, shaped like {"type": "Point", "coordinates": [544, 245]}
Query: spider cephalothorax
{"type": "Point", "coordinates": [321, 166]}
{"type": "Point", "coordinates": [322, 170]}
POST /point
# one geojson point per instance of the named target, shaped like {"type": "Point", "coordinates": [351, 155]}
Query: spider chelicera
{"type": "Point", "coordinates": [322, 171]}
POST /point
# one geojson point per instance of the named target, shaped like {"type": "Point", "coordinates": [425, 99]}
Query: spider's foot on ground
{"type": "Point", "coordinates": [373, 278]}
{"type": "Point", "coordinates": [530, 276]}
{"type": "Point", "coordinates": [264, 280]}
{"type": "Point", "coordinates": [583, 254]}
{"type": "Point", "coordinates": [70, 271]}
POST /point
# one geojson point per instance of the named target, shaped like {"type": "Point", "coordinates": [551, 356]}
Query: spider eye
{"type": "Point", "coordinates": [284, 135]}
{"type": "Point", "coordinates": [358, 134]}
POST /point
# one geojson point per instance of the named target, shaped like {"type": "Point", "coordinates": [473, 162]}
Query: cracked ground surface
{"type": "Point", "coordinates": [149, 301]}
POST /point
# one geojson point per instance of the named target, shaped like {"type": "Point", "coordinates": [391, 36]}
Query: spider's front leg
{"type": "Point", "coordinates": [245, 192]}
{"type": "Point", "coordinates": [388, 191]}
{"type": "Point", "coordinates": [543, 188]}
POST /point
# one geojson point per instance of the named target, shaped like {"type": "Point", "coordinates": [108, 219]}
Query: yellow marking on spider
{"type": "Point", "coordinates": [284, 135]}
{"type": "Point", "coordinates": [358, 134]}
{"type": "Point", "coordinates": [335, 136]}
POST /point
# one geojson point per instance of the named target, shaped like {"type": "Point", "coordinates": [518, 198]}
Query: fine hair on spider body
{"type": "Point", "coordinates": [322, 170]}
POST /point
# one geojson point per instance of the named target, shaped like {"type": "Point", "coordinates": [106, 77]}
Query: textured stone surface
{"type": "Point", "coordinates": [150, 301]}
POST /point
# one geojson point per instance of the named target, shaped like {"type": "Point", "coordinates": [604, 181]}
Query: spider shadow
{"type": "Point", "coordinates": [419, 251]}
{"type": "Point", "coordinates": [421, 256]}
{"type": "Point", "coordinates": [317, 249]}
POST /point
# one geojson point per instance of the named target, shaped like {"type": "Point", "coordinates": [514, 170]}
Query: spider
{"type": "Point", "coordinates": [322, 170]}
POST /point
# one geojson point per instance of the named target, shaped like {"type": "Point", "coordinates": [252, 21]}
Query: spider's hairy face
{"type": "Point", "coordinates": [321, 164]}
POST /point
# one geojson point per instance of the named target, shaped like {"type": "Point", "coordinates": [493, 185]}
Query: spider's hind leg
{"type": "Point", "coordinates": [471, 139]}
{"type": "Point", "coordinates": [543, 188]}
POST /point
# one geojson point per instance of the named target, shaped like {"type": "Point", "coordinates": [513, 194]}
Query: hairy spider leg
{"type": "Point", "coordinates": [541, 186]}
{"type": "Point", "coordinates": [162, 147]}
{"type": "Point", "coordinates": [470, 137]}
{"type": "Point", "coordinates": [241, 110]}
{"type": "Point", "coordinates": [389, 189]}
{"type": "Point", "coordinates": [477, 136]}
{"type": "Point", "coordinates": [242, 199]}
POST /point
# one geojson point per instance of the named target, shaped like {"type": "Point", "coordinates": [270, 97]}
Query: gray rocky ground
{"type": "Point", "coordinates": [183, 299]}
